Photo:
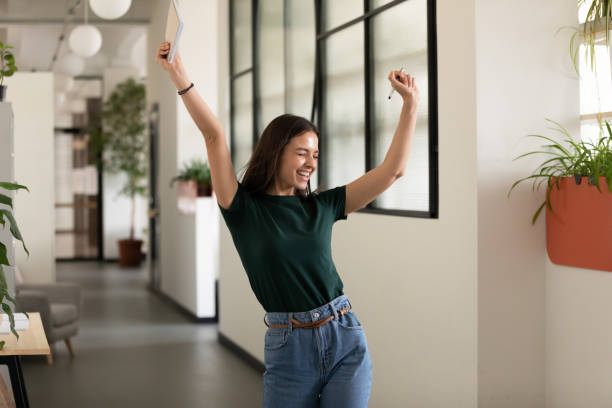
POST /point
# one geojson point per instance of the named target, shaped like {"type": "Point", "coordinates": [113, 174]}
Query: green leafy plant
{"type": "Point", "coordinates": [7, 62]}
{"type": "Point", "coordinates": [121, 139]}
{"type": "Point", "coordinates": [195, 169]}
{"type": "Point", "coordinates": [597, 21]}
{"type": "Point", "coordinates": [6, 216]}
{"type": "Point", "coordinates": [579, 159]}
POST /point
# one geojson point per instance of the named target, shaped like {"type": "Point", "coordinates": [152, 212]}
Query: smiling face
{"type": "Point", "coordinates": [298, 162]}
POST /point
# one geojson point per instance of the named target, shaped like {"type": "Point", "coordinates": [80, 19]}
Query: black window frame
{"type": "Point", "coordinates": [317, 111]}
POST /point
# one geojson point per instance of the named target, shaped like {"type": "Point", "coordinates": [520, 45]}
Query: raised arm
{"type": "Point", "coordinates": [221, 169]}
{"type": "Point", "coordinates": [369, 186]}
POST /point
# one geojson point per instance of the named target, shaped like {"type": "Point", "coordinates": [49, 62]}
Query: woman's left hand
{"type": "Point", "coordinates": [404, 85]}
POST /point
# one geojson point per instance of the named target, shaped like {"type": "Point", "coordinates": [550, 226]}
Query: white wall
{"type": "Point", "coordinates": [412, 281]}
{"type": "Point", "coordinates": [180, 139]}
{"type": "Point", "coordinates": [7, 174]}
{"type": "Point", "coordinates": [117, 208]}
{"type": "Point", "coordinates": [544, 333]}
{"type": "Point", "coordinates": [31, 95]}
{"type": "Point", "coordinates": [578, 302]}
{"type": "Point", "coordinates": [523, 76]}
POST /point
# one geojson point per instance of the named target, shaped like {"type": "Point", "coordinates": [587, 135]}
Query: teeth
{"type": "Point", "coordinates": [302, 174]}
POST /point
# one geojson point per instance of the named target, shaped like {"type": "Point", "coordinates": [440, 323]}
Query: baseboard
{"type": "Point", "coordinates": [77, 259]}
{"type": "Point", "coordinates": [188, 313]}
{"type": "Point", "coordinates": [242, 353]}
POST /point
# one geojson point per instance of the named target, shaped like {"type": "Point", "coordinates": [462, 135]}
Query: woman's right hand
{"type": "Point", "coordinates": [162, 54]}
{"type": "Point", "coordinates": [175, 68]}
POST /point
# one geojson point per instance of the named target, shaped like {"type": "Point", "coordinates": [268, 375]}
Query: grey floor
{"type": "Point", "coordinates": [135, 350]}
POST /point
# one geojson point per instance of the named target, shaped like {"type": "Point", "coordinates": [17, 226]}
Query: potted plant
{"type": "Point", "coordinates": [6, 216]}
{"type": "Point", "coordinates": [122, 143]}
{"type": "Point", "coordinates": [578, 199]}
{"type": "Point", "coordinates": [196, 172]}
{"type": "Point", "coordinates": [7, 67]}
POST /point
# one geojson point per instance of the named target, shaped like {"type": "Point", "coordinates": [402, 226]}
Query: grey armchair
{"type": "Point", "coordinates": [59, 305]}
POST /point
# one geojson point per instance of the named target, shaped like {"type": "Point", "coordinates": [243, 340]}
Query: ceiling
{"type": "Point", "coordinates": [33, 28]}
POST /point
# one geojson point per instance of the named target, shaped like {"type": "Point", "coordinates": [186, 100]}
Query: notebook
{"type": "Point", "coordinates": [174, 26]}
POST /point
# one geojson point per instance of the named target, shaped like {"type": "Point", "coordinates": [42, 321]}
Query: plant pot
{"type": "Point", "coordinates": [204, 190]}
{"type": "Point", "coordinates": [579, 228]}
{"type": "Point", "coordinates": [2, 93]}
{"type": "Point", "coordinates": [130, 254]}
{"type": "Point", "coordinates": [187, 192]}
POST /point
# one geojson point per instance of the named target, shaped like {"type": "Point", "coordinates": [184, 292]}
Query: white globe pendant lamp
{"type": "Point", "coordinates": [71, 64]}
{"type": "Point", "coordinates": [62, 82]}
{"type": "Point", "coordinates": [110, 9]}
{"type": "Point", "coordinates": [85, 40]}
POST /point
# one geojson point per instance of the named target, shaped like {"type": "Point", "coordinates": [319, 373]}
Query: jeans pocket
{"type": "Point", "coordinates": [349, 321]}
{"type": "Point", "coordinates": [276, 338]}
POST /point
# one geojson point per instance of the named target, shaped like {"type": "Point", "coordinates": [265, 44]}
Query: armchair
{"type": "Point", "coordinates": [59, 305]}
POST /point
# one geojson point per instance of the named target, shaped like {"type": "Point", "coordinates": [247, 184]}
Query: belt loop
{"type": "Point", "coordinates": [289, 323]}
{"type": "Point", "coordinates": [334, 311]}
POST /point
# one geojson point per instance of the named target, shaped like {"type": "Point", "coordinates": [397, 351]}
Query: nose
{"type": "Point", "coordinates": [312, 163]}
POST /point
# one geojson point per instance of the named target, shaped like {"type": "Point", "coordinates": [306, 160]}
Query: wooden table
{"type": "Point", "coordinates": [31, 342]}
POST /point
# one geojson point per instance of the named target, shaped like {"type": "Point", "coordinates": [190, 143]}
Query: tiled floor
{"type": "Point", "coordinates": [133, 350]}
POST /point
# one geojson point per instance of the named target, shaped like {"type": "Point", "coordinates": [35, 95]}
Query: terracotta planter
{"type": "Point", "coordinates": [187, 192]}
{"type": "Point", "coordinates": [204, 190]}
{"type": "Point", "coordinates": [579, 229]}
{"type": "Point", "coordinates": [130, 252]}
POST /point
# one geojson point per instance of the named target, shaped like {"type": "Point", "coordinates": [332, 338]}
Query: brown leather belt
{"type": "Point", "coordinates": [310, 325]}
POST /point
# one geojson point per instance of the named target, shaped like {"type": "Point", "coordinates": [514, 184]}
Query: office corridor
{"type": "Point", "coordinates": [135, 350]}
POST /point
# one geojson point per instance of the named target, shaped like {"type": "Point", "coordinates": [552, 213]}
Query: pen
{"type": "Point", "coordinates": [393, 89]}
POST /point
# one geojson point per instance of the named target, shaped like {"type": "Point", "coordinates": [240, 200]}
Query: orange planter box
{"type": "Point", "coordinates": [579, 229]}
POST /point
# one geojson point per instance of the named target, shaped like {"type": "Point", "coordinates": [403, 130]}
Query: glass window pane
{"type": "Point", "coordinates": [590, 131]}
{"type": "Point", "coordinates": [344, 139]}
{"type": "Point", "coordinates": [407, 20]}
{"type": "Point", "coordinates": [242, 35]}
{"type": "Point", "coordinates": [243, 121]}
{"type": "Point", "coordinates": [378, 3]}
{"type": "Point", "coordinates": [301, 39]}
{"type": "Point", "coordinates": [595, 90]}
{"type": "Point", "coordinates": [271, 62]}
{"type": "Point", "coordinates": [338, 12]}
{"type": "Point", "coordinates": [583, 9]}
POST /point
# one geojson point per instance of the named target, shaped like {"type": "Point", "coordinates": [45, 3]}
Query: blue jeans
{"type": "Point", "coordinates": [327, 367]}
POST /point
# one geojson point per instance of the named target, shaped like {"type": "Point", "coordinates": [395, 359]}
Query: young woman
{"type": "Point", "coordinates": [316, 352]}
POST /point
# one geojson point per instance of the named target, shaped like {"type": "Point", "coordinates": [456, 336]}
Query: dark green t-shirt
{"type": "Point", "coordinates": [284, 243]}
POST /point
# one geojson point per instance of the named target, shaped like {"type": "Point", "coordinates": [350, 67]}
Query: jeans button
{"type": "Point", "coordinates": [315, 315]}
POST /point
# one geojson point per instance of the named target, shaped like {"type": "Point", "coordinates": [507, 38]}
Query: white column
{"type": "Point", "coordinates": [33, 102]}
{"type": "Point", "coordinates": [7, 174]}
{"type": "Point", "coordinates": [181, 262]}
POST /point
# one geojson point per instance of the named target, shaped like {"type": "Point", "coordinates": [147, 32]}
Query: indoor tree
{"type": "Point", "coordinates": [122, 142]}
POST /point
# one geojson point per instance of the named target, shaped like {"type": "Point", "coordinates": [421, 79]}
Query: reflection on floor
{"type": "Point", "coordinates": [134, 350]}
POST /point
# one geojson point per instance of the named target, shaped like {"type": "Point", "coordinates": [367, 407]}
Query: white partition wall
{"type": "Point", "coordinates": [31, 95]}
{"type": "Point", "coordinates": [207, 254]}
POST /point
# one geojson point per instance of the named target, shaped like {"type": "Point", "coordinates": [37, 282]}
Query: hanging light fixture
{"type": "Point", "coordinates": [62, 82]}
{"type": "Point", "coordinates": [85, 40]}
{"type": "Point", "coordinates": [110, 9]}
{"type": "Point", "coordinates": [71, 64]}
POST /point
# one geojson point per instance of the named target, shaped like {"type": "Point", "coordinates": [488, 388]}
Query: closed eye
{"type": "Point", "coordinates": [302, 154]}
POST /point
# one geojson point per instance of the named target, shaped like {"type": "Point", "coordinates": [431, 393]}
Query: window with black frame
{"type": "Point", "coordinates": [241, 86]}
{"type": "Point", "coordinates": [328, 60]}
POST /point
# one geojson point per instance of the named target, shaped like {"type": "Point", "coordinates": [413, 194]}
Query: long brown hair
{"type": "Point", "coordinates": [265, 160]}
